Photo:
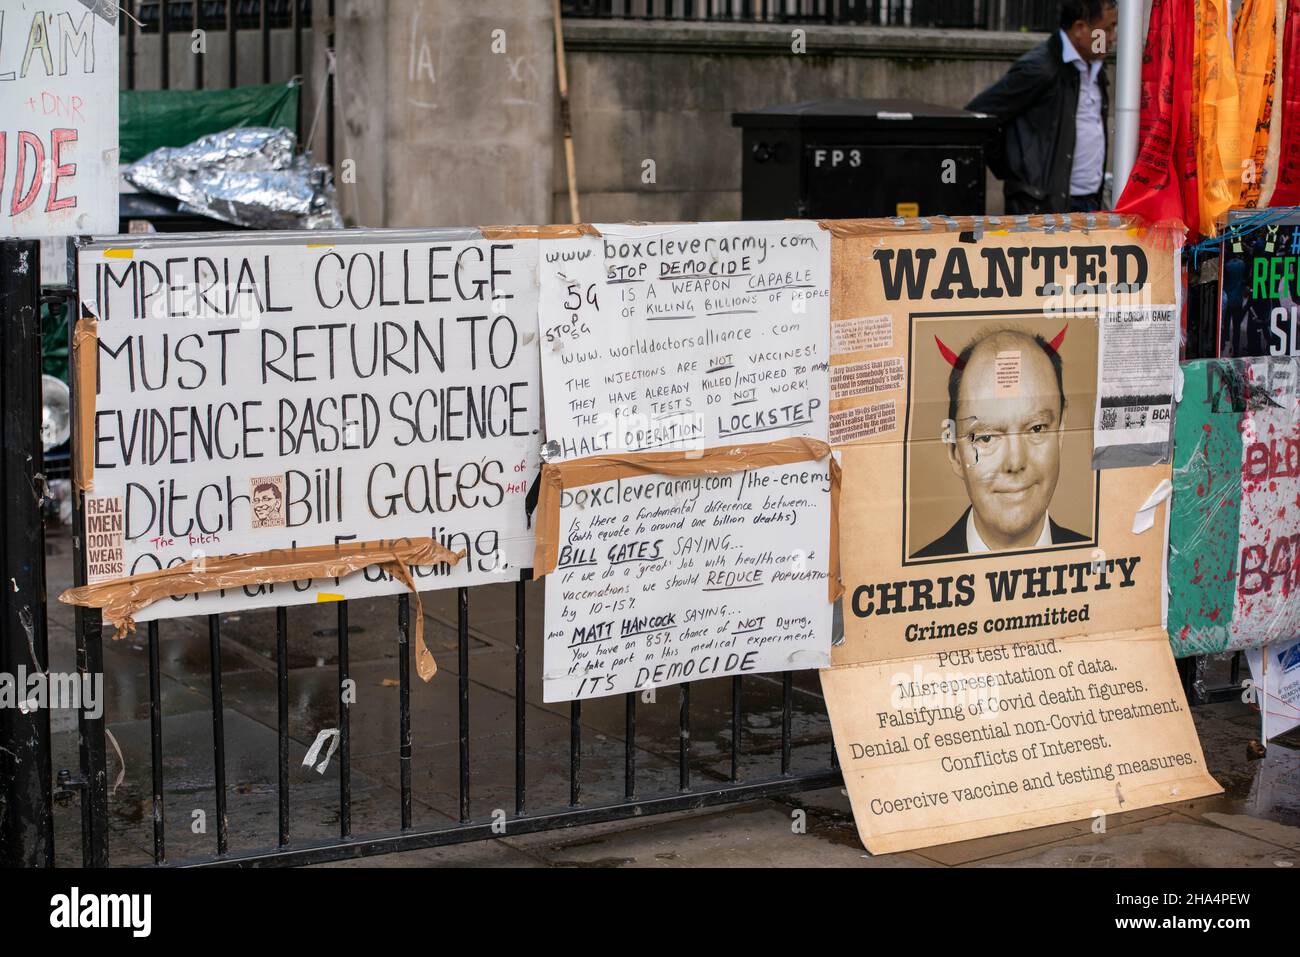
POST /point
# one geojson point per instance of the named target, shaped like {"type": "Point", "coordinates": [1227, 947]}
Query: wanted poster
{"type": "Point", "coordinates": [971, 514]}
{"type": "Point", "coordinates": [1004, 663]}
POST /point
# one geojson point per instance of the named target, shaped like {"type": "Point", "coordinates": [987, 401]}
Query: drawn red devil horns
{"type": "Point", "coordinates": [957, 362]}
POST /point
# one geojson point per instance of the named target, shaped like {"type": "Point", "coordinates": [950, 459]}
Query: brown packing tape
{"type": "Point", "coordinates": [556, 231]}
{"type": "Point", "coordinates": [847, 228]}
{"type": "Point", "coordinates": [85, 342]}
{"type": "Point", "coordinates": [122, 598]}
{"type": "Point", "coordinates": [835, 581]}
{"type": "Point", "coordinates": [556, 477]}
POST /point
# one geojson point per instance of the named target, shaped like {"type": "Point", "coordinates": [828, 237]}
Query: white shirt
{"type": "Point", "coordinates": [1086, 169]}
{"type": "Point", "coordinates": [976, 544]}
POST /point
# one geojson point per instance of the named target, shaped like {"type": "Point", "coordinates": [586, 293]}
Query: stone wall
{"type": "Point", "coordinates": [666, 91]}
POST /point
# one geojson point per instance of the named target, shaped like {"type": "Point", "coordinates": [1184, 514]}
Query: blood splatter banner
{"type": "Point", "coordinates": [1234, 538]}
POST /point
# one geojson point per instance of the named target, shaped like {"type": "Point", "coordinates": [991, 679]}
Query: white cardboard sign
{"type": "Point", "coordinates": [315, 389]}
{"type": "Point", "coordinates": [58, 104]}
{"type": "Point", "coordinates": [662, 580]}
{"type": "Point", "coordinates": [662, 337]}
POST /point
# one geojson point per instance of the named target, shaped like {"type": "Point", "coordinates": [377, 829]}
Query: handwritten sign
{"type": "Point", "coordinates": [663, 580]}
{"type": "Point", "coordinates": [313, 389]}
{"type": "Point", "coordinates": [684, 336]}
{"type": "Point", "coordinates": [58, 100]}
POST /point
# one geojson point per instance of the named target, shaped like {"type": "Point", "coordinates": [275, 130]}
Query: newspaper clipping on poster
{"type": "Point", "coordinates": [315, 389]}
{"type": "Point", "coordinates": [1138, 351]}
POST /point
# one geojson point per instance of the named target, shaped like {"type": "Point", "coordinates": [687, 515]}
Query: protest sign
{"type": "Point", "coordinates": [685, 517]}
{"type": "Point", "coordinates": [690, 335]}
{"type": "Point", "coordinates": [1260, 291]}
{"type": "Point", "coordinates": [58, 98]}
{"type": "Point", "coordinates": [971, 513]}
{"type": "Point", "coordinates": [1002, 537]}
{"type": "Point", "coordinates": [661, 579]}
{"type": "Point", "coordinates": [1275, 669]}
{"type": "Point", "coordinates": [952, 745]}
{"type": "Point", "coordinates": [253, 395]}
{"type": "Point", "coordinates": [1234, 534]}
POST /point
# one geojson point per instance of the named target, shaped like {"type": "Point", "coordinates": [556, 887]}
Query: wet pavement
{"type": "Point", "coordinates": [1256, 822]}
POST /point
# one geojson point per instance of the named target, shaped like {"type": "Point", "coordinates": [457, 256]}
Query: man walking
{"type": "Point", "coordinates": [1052, 107]}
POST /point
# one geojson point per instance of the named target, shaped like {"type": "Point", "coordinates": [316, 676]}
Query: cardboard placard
{"type": "Point", "coordinates": [977, 518]}
{"type": "Point", "coordinates": [687, 335]}
{"type": "Point", "coordinates": [666, 579]}
{"type": "Point", "coordinates": [683, 366]}
{"type": "Point", "coordinates": [248, 394]}
{"type": "Point", "coordinates": [963, 744]}
{"type": "Point", "coordinates": [58, 100]}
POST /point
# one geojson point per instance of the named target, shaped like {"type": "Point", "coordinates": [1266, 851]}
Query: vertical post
{"type": "Point", "coordinates": [164, 48]}
{"type": "Point", "coordinates": [197, 19]}
{"type": "Point", "coordinates": [128, 25]}
{"type": "Point", "coordinates": [1128, 94]}
{"type": "Point", "coordinates": [88, 629]}
{"type": "Point", "coordinates": [26, 803]}
{"type": "Point", "coordinates": [232, 46]}
{"type": "Point", "coordinates": [329, 89]}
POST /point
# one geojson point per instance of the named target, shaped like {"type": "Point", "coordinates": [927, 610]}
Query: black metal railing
{"type": "Point", "coordinates": [162, 21]}
{"type": "Point", "coordinates": [470, 823]}
{"type": "Point", "coordinates": [1035, 16]}
{"type": "Point", "coordinates": [755, 771]}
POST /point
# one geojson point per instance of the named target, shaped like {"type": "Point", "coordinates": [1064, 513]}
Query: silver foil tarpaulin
{"type": "Point", "coordinates": [248, 176]}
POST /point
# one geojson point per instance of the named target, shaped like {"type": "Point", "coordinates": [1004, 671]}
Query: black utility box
{"type": "Point", "coordinates": [846, 158]}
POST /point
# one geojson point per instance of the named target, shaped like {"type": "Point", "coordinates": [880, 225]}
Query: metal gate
{"type": "Point", "coordinates": [32, 784]}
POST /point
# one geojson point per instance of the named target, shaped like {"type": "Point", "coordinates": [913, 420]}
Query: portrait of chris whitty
{"type": "Point", "coordinates": [1005, 430]}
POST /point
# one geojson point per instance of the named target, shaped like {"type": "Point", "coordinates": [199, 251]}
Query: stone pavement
{"type": "Point", "coordinates": [1256, 822]}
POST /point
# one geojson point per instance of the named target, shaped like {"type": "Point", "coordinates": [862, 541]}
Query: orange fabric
{"type": "Point", "coordinates": [1215, 107]}
{"type": "Point", "coordinates": [1255, 52]}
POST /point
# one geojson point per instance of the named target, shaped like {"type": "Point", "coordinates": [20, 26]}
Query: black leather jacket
{"type": "Point", "coordinates": [1036, 103]}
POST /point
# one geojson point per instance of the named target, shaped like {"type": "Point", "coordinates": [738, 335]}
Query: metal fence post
{"type": "Point", "coordinates": [26, 804]}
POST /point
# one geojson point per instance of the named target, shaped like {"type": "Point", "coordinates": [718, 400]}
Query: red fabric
{"type": "Point", "coordinates": [1162, 186]}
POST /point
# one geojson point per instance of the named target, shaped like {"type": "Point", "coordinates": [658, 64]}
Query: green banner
{"type": "Point", "coordinates": [153, 118]}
